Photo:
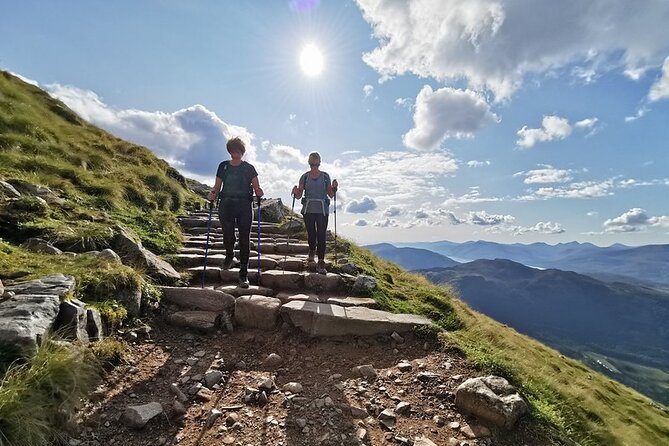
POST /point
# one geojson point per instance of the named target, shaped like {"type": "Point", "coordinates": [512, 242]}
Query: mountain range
{"type": "Point", "coordinates": [411, 258]}
{"type": "Point", "coordinates": [574, 313]}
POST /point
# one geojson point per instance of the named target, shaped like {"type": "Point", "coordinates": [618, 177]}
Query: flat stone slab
{"type": "Point", "coordinates": [26, 318]}
{"type": "Point", "coordinates": [282, 280]}
{"type": "Point", "coordinates": [292, 248]}
{"type": "Point", "coordinates": [353, 302]}
{"type": "Point", "coordinates": [55, 284]}
{"type": "Point", "coordinates": [319, 319]}
{"type": "Point", "coordinates": [199, 298]}
{"type": "Point", "coordinates": [213, 273]}
{"type": "Point", "coordinates": [237, 291]}
{"type": "Point", "coordinates": [257, 312]}
{"type": "Point", "coordinates": [292, 264]}
{"type": "Point", "coordinates": [287, 296]}
{"type": "Point", "coordinates": [205, 321]}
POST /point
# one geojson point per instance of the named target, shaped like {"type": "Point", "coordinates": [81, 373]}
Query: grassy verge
{"type": "Point", "coordinates": [568, 400]}
{"type": "Point", "coordinates": [37, 398]}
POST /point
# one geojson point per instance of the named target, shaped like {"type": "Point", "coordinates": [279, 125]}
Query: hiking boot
{"type": "Point", "coordinates": [320, 269]}
{"type": "Point", "coordinates": [227, 263]}
{"type": "Point", "coordinates": [310, 256]}
{"type": "Point", "coordinates": [243, 282]}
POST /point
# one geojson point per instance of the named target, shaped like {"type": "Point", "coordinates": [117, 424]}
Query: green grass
{"type": "Point", "coordinates": [37, 398]}
{"type": "Point", "coordinates": [568, 400]}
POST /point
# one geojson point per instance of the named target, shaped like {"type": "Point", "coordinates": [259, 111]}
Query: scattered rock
{"type": "Point", "coordinates": [293, 387]}
{"type": "Point", "coordinates": [397, 338]}
{"type": "Point", "coordinates": [8, 190]}
{"type": "Point", "coordinates": [454, 425]}
{"type": "Point", "coordinates": [212, 377]}
{"type": "Point", "coordinates": [358, 413]}
{"type": "Point", "coordinates": [423, 441]}
{"type": "Point", "coordinates": [405, 366]}
{"type": "Point", "coordinates": [492, 399]}
{"type": "Point", "coordinates": [387, 419]}
{"type": "Point", "coordinates": [174, 388]}
{"type": "Point", "coordinates": [475, 431]}
{"type": "Point", "coordinates": [272, 361]}
{"type": "Point", "coordinates": [214, 415]}
{"type": "Point", "coordinates": [137, 416]}
{"type": "Point", "coordinates": [232, 419]}
{"type": "Point", "coordinates": [109, 255]}
{"type": "Point", "coordinates": [403, 408]}
{"type": "Point", "coordinates": [39, 245]}
{"type": "Point", "coordinates": [72, 320]}
{"type": "Point", "coordinates": [426, 376]}
{"type": "Point", "coordinates": [267, 385]}
{"type": "Point", "coordinates": [364, 371]}
{"type": "Point", "coordinates": [257, 311]}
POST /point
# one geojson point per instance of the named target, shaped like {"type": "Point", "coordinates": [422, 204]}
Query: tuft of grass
{"type": "Point", "coordinates": [109, 352]}
{"type": "Point", "coordinates": [37, 398]}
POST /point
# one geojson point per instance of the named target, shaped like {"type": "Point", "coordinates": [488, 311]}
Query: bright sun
{"type": "Point", "coordinates": [311, 60]}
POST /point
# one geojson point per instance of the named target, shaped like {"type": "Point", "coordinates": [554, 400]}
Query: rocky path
{"type": "Point", "coordinates": [295, 360]}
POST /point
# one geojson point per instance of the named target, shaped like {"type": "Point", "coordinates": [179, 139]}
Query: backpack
{"type": "Point", "coordinates": [239, 192]}
{"type": "Point", "coordinates": [321, 197]}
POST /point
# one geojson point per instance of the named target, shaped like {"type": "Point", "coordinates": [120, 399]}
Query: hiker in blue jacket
{"type": "Point", "coordinates": [317, 190]}
{"type": "Point", "coordinates": [235, 182]}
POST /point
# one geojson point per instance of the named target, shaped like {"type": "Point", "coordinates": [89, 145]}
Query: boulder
{"type": "Point", "coordinates": [129, 247]}
{"type": "Point", "coordinates": [492, 399]}
{"type": "Point", "coordinates": [257, 311]}
{"type": "Point", "coordinates": [136, 417]}
{"type": "Point", "coordinates": [271, 210]}
{"type": "Point", "coordinates": [72, 320]}
{"type": "Point", "coordinates": [54, 284]}
{"type": "Point", "coordinates": [293, 226]}
{"type": "Point", "coordinates": [26, 318]}
{"type": "Point", "coordinates": [364, 285]}
{"type": "Point", "coordinates": [39, 245]}
{"type": "Point", "coordinates": [131, 298]}
{"type": "Point", "coordinates": [198, 298]}
{"type": "Point", "coordinates": [322, 282]}
{"type": "Point", "coordinates": [44, 193]}
{"type": "Point", "coordinates": [110, 255]}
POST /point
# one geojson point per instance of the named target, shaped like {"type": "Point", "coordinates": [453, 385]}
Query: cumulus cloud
{"type": "Point", "coordinates": [421, 214]}
{"type": "Point", "coordinates": [479, 218]}
{"type": "Point", "coordinates": [660, 89]}
{"type": "Point", "coordinates": [361, 222]}
{"type": "Point", "coordinates": [473, 196]}
{"type": "Point", "coordinates": [475, 163]}
{"type": "Point", "coordinates": [587, 123]}
{"type": "Point", "coordinates": [286, 154]}
{"type": "Point", "coordinates": [446, 113]}
{"type": "Point", "coordinates": [552, 128]}
{"type": "Point", "coordinates": [404, 102]}
{"type": "Point", "coordinates": [387, 223]}
{"type": "Point", "coordinates": [362, 206]}
{"type": "Point", "coordinates": [188, 138]}
{"type": "Point", "coordinates": [635, 219]}
{"type": "Point", "coordinates": [500, 223]}
{"type": "Point", "coordinates": [392, 211]}
{"type": "Point", "coordinates": [546, 175]}
{"type": "Point", "coordinates": [541, 228]}
{"type": "Point", "coordinates": [496, 44]}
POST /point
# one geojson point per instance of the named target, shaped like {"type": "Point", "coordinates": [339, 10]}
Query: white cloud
{"type": "Point", "coordinates": [546, 175]}
{"type": "Point", "coordinates": [404, 102]}
{"type": "Point", "coordinates": [25, 79]}
{"type": "Point", "coordinates": [541, 228]}
{"type": "Point", "coordinates": [368, 90]}
{"type": "Point", "coordinates": [362, 206]}
{"type": "Point", "coordinates": [475, 163]}
{"type": "Point", "coordinates": [446, 113]}
{"type": "Point", "coordinates": [361, 222]}
{"type": "Point", "coordinates": [634, 220]}
{"type": "Point", "coordinates": [583, 189]}
{"type": "Point", "coordinates": [497, 44]}
{"type": "Point", "coordinates": [552, 128]}
{"type": "Point", "coordinates": [392, 211]}
{"type": "Point", "coordinates": [387, 223]}
{"type": "Point", "coordinates": [479, 218]}
{"type": "Point", "coordinates": [286, 154]}
{"type": "Point", "coordinates": [421, 214]}
{"type": "Point", "coordinates": [587, 123]}
{"type": "Point", "coordinates": [592, 213]}
{"type": "Point", "coordinates": [660, 89]}
{"type": "Point", "coordinates": [189, 138]}
{"type": "Point", "coordinates": [639, 114]}
{"type": "Point", "coordinates": [473, 196]}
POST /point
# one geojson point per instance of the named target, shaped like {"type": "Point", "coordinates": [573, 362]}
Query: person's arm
{"type": "Point", "coordinates": [298, 190]}
{"type": "Point", "coordinates": [216, 189]}
{"type": "Point", "coordinates": [256, 187]}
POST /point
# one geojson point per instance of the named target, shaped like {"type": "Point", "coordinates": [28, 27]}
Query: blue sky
{"type": "Point", "coordinates": [441, 119]}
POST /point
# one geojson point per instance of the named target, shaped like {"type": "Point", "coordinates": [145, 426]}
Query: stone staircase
{"type": "Point", "coordinates": [285, 287]}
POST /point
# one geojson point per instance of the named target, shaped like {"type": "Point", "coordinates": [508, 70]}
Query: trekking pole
{"type": "Point", "coordinates": [258, 247]}
{"type": "Point", "coordinates": [335, 219]}
{"type": "Point", "coordinates": [290, 220]}
{"type": "Point", "coordinates": [206, 246]}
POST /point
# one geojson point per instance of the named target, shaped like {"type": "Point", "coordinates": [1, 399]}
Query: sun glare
{"type": "Point", "coordinates": [311, 60]}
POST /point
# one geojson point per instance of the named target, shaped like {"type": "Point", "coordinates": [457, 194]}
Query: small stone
{"type": "Point", "coordinates": [232, 419]}
{"type": "Point", "coordinates": [200, 354]}
{"type": "Point", "coordinates": [387, 419]}
{"type": "Point", "coordinates": [454, 425]}
{"type": "Point", "coordinates": [212, 377]}
{"type": "Point", "coordinates": [192, 361]}
{"type": "Point", "coordinates": [405, 366]}
{"type": "Point", "coordinates": [362, 435]}
{"type": "Point", "coordinates": [423, 441]}
{"type": "Point", "coordinates": [358, 413]}
{"type": "Point", "coordinates": [272, 361]}
{"type": "Point", "coordinates": [179, 409]}
{"type": "Point", "coordinates": [229, 440]}
{"type": "Point", "coordinates": [397, 338]}
{"type": "Point", "coordinates": [364, 371]}
{"type": "Point", "coordinates": [426, 376]}
{"type": "Point", "coordinates": [267, 385]}
{"type": "Point", "coordinates": [214, 415]}
{"type": "Point", "coordinates": [301, 422]}
{"type": "Point", "coordinates": [403, 408]}
{"type": "Point", "coordinates": [475, 431]}
{"type": "Point", "coordinates": [293, 387]}
{"type": "Point", "coordinates": [137, 416]}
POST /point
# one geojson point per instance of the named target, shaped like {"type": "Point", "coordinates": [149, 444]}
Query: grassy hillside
{"type": "Point", "coordinates": [567, 397]}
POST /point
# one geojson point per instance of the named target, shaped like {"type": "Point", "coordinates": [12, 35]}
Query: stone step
{"type": "Point", "coordinates": [237, 291]}
{"type": "Point", "coordinates": [193, 260]}
{"type": "Point", "coordinates": [205, 299]}
{"type": "Point", "coordinates": [192, 222]}
{"type": "Point", "coordinates": [341, 300]}
{"type": "Point", "coordinates": [199, 230]}
{"type": "Point", "coordinates": [318, 319]}
{"type": "Point", "coordinates": [203, 321]}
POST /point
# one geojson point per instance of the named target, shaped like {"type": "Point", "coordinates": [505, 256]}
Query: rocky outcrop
{"type": "Point", "coordinates": [491, 399]}
{"type": "Point", "coordinates": [129, 247]}
{"type": "Point", "coordinates": [29, 315]}
{"type": "Point", "coordinates": [39, 245]}
{"type": "Point", "coordinates": [25, 188]}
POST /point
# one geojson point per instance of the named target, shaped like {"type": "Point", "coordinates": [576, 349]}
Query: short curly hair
{"type": "Point", "coordinates": [236, 144]}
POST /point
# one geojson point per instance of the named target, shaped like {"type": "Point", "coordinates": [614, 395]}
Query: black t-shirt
{"type": "Point", "coordinates": [236, 179]}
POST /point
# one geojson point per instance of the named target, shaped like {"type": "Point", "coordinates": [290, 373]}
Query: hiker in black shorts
{"type": "Point", "coordinates": [317, 190]}
{"type": "Point", "coordinates": [235, 182]}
